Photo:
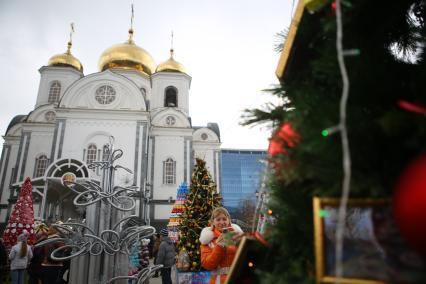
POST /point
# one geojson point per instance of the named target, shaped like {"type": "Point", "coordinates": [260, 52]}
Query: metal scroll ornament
{"type": "Point", "coordinates": [90, 192]}
{"type": "Point", "coordinates": [77, 239]}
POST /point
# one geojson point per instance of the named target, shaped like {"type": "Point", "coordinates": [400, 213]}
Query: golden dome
{"type": "Point", "coordinates": [127, 56]}
{"type": "Point", "coordinates": [170, 65]}
{"type": "Point", "coordinates": [66, 60]}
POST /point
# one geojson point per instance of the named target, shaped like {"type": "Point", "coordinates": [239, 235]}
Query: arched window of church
{"type": "Point", "coordinates": [105, 152]}
{"type": "Point", "coordinates": [169, 171]}
{"type": "Point", "coordinates": [170, 97]}
{"type": "Point", "coordinates": [54, 92]}
{"type": "Point", "coordinates": [40, 165]}
{"type": "Point", "coordinates": [91, 153]}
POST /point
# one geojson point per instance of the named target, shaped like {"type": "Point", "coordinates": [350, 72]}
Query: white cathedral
{"type": "Point", "coordinates": [144, 107]}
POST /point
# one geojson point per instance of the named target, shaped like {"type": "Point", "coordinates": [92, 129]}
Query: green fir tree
{"type": "Point", "coordinates": [200, 202]}
{"type": "Point", "coordinates": [383, 137]}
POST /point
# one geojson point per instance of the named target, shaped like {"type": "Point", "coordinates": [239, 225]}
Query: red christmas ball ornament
{"type": "Point", "coordinates": [284, 137]}
{"type": "Point", "coordinates": [409, 204]}
{"type": "Point", "coordinates": [333, 6]}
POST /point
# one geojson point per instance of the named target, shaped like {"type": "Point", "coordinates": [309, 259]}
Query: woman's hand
{"type": "Point", "coordinates": [237, 237]}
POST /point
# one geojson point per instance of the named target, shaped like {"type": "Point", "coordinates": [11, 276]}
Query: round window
{"type": "Point", "coordinates": [50, 116]}
{"type": "Point", "coordinates": [105, 95]}
{"type": "Point", "coordinates": [170, 120]}
{"type": "Point", "coordinates": [204, 136]}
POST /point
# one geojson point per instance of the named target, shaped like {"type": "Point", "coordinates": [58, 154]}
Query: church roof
{"type": "Point", "coordinates": [17, 119]}
{"type": "Point", "coordinates": [66, 60]}
{"type": "Point", "coordinates": [213, 126]}
{"type": "Point", "coordinates": [170, 65]}
{"type": "Point", "coordinates": [127, 56]}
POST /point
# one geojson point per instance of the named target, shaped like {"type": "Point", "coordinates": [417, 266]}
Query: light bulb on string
{"type": "Point", "coordinates": [331, 130]}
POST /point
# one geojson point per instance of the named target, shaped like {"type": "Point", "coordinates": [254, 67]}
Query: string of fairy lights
{"type": "Point", "coordinates": [345, 141]}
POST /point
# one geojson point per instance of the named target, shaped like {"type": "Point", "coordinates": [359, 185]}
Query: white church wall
{"type": "Point", "coordinates": [162, 80]}
{"type": "Point", "coordinates": [127, 97]}
{"type": "Point", "coordinates": [167, 147]}
{"type": "Point", "coordinates": [161, 115]}
{"type": "Point", "coordinates": [162, 211]}
{"type": "Point", "coordinates": [40, 144]}
{"type": "Point", "coordinates": [65, 75]}
{"type": "Point", "coordinates": [140, 79]}
{"type": "Point", "coordinates": [80, 133]}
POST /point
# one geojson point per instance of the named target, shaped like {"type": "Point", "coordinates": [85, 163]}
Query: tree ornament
{"type": "Point", "coordinates": [333, 6]}
{"type": "Point", "coordinates": [409, 204]}
{"type": "Point", "coordinates": [284, 137]}
{"type": "Point", "coordinates": [183, 260]}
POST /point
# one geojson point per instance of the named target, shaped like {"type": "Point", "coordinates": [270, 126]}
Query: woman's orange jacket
{"type": "Point", "coordinates": [214, 257]}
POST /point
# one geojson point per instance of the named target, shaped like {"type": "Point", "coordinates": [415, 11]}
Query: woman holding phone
{"type": "Point", "coordinates": [218, 244]}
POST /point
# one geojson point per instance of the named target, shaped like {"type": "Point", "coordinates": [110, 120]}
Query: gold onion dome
{"type": "Point", "coordinates": [170, 65]}
{"type": "Point", "coordinates": [127, 56]}
{"type": "Point", "coordinates": [66, 60]}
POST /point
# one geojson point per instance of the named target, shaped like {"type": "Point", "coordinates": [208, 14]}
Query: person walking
{"type": "Point", "coordinates": [155, 248]}
{"type": "Point", "coordinates": [166, 256]}
{"type": "Point", "coordinates": [218, 244]}
{"type": "Point", "coordinates": [19, 257]}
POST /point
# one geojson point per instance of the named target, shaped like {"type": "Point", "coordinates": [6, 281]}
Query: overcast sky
{"type": "Point", "coordinates": [227, 47]}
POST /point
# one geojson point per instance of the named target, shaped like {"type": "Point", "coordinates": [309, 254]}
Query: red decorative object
{"type": "Point", "coordinates": [409, 204]}
{"type": "Point", "coordinates": [333, 6]}
{"type": "Point", "coordinates": [284, 137]}
{"type": "Point", "coordinates": [411, 107]}
{"type": "Point", "coordinates": [22, 218]}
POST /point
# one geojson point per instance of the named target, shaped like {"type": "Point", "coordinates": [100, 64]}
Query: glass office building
{"type": "Point", "coordinates": [241, 175]}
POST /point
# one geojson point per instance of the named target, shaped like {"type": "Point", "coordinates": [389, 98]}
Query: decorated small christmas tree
{"type": "Point", "coordinates": [200, 202]}
{"type": "Point", "coordinates": [178, 208]}
{"type": "Point", "coordinates": [22, 218]}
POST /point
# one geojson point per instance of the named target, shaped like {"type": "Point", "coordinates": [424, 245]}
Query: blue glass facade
{"type": "Point", "coordinates": [241, 175]}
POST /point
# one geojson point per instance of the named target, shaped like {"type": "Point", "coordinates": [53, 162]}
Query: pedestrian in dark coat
{"type": "Point", "coordinates": [166, 256]}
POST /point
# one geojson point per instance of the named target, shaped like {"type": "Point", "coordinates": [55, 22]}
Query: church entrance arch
{"type": "Point", "coordinates": [57, 204]}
